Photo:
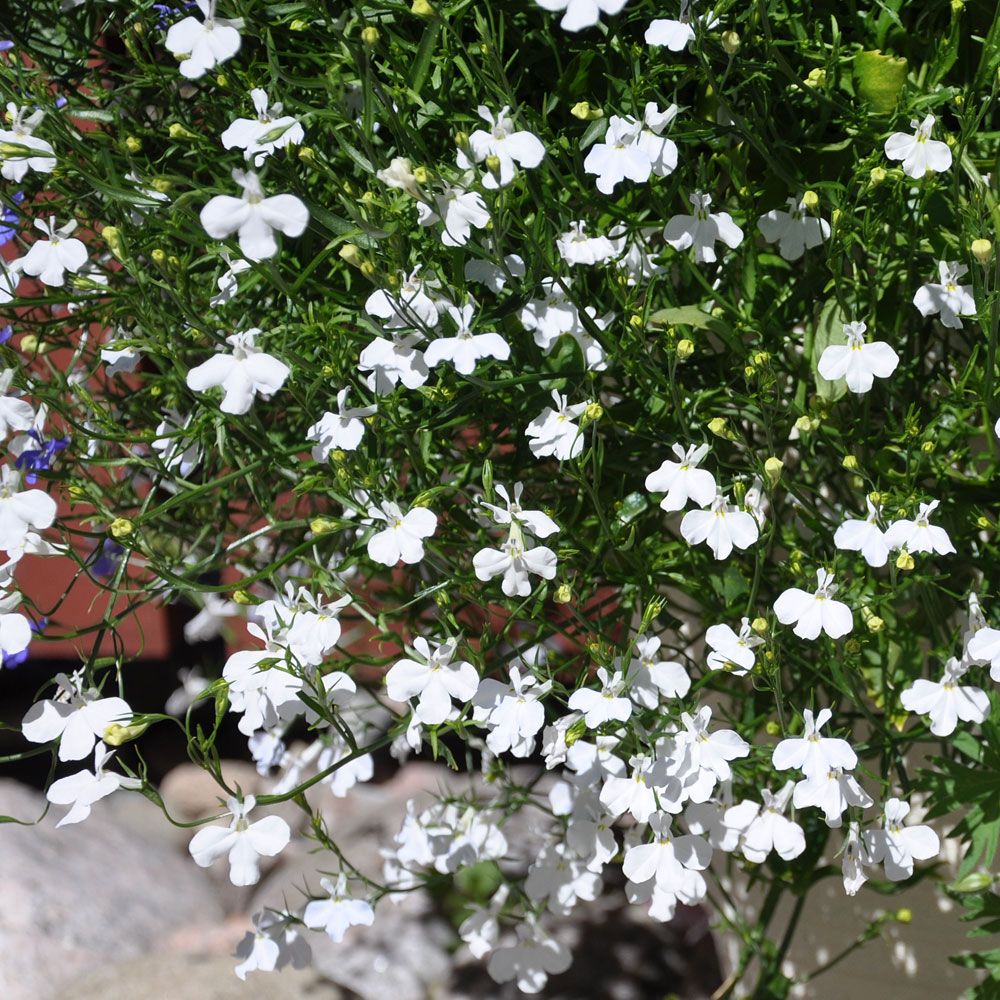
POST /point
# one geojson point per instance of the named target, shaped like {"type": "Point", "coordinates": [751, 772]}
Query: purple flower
{"type": "Point", "coordinates": [106, 558]}
{"type": "Point", "coordinates": [6, 332]}
{"type": "Point", "coordinates": [16, 659]}
{"type": "Point", "coordinates": [6, 45]}
{"type": "Point", "coordinates": [9, 219]}
{"type": "Point", "coordinates": [39, 459]}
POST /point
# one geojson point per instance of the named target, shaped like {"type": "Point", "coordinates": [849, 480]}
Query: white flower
{"type": "Point", "coordinates": [411, 307]}
{"type": "Point", "coordinates": [20, 150]}
{"type": "Point", "coordinates": [683, 480]}
{"type": "Point", "coordinates": [709, 752]}
{"type": "Point", "coordinates": [509, 146]}
{"type": "Point", "coordinates": [633, 794]}
{"type": "Point", "coordinates": [536, 521]}
{"type": "Point", "coordinates": [555, 316]}
{"type": "Point", "coordinates": [555, 431]}
{"type": "Point", "coordinates": [262, 135]}
{"type": "Point", "coordinates": [602, 706]}
{"type": "Point", "coordinates": [633, 254]}
{"type": "Point", "coordinates": [393, 360]}
{"type": "Point", "coordinates": [494, 276]}
{"type": "Point", "coordinates": [561, 879]}
{"type": "Point", "coordinates": [50, 259]}
{"type": "Point", "coordinates": [766, 828]}
{"type": "Point", "coordinates": [721, 528]}
{"type": "Point", "coordinates": [77, 717]}
{"type": "Point", "coordinates": [984, 647]}
{"type": "Point", "coordinates": [15, 629]}
{"type": "Point", "coordinates": [227, 284]}
{"type": "Point", "coordinates": [170, 444]}
{"type": "Point", "coordinates": [651, 678]}
{"type": "Point", "coordinates": [242, 375]}
{"type": "Point", "coordinates": [897, 846]}
{"type": "Point", "coordinates": [244, 842]}
{"type": "Point", "coordinates": [855, 857]}
{"type": "Point", "coordinates": [259, 688]}
{"type": "Point", "coordinates": [461, 210]}
{"type": "Point", "coordinates": [811, 753]}
{"type": "Point", "coordinates": [857, 362]}
{"type": "Point", "coordinates": [677, 34]}
{"type": "Point", "coordinates": [816, 612]}
{"type": "Point", "coordinates": [21, 511]}
{"type": "Point", "coordinates": [15, 413]}
{"type": "Point", "coordinates": [253, 217]}
{"type": "Point", "coordinates": [795, 231]}
{"type": "Point", "coordinates": [125, 360]}
{"type": "Point", "coordinates": [201, 45]}
{"type": "Point", "coordinates": [662, 152]}
{"type": "Point", "coordinates": [534, 957]}
{"type": "Point", "coordinates": [343, 429]}
{"type": "Point", "coordinates": [666, 858]}
{"type": "Point", "coordinates": [399, 175]}
{"type": "Point", "coordinates": [434, 679]}
{"type": "Point", "coordinates": [81, 790]}
{"type": "Point", "coordinates": [338, 913]}
{"type": "Point", "coordinates": [404, 534]}
{"type": "Point", "coordinates": [10, 277]}
{"type": "Point", "coordinates": [919, 152]}
{"type": "Point", "coordinates": [576, 247]}
{"type": "Point", "coordinates": [272, 945]}
{"type": "Point", "coordinates": [702, 229]}
{"type": "Point", "coordinates": [832, 792]}
{"type": "Point", "coordinates": [581, 13]}
{"type": "Point", "coordinates": [619, 156]}
{"type": "Point", "coordinates": [466, 348]}
{"type": "Point", "coordinates": [949, 298]}
{"type": "Point", "coordinates": [730, 651]}
{"type": "Point", "coordinates": [512, 712]}
{"type": "Point", "coordinates": [515, 562]}
{"type": "Point", "coordinates": [481, 930]}
{"type": "Point", "coordinates": [866, 537]}
{"type": "Point", "coordinates": [946, 701]}
{"type": "Point", "coordinates": [919, 535]}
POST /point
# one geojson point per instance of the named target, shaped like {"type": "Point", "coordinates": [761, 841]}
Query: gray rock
{"type": "Point", "coordinates": [77, 897]}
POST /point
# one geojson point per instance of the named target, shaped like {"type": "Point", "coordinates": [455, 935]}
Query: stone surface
{"type": "Point", "coordinates": [75, 898]}
{"type": "Point", "coordinates": [190, 977]}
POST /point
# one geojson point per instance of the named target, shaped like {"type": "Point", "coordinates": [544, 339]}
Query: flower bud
{"type": "Point", "coordinates": [322, 526]}
{"type": "Point", "coordinates": [493, 164]}
{"type": "Point", "coordinates": [904, 561]}
{"type": "Point", "coordinates": [298, 25]}
{"type": "Point", "coordinates": [563, 594]}
{"type": "Point", "coordinates": [421, 175]}
{"type": "Point", "coordinates": [576, 731]}
{"type": "Point", "coordinates": [982, 250]}
{"type": "Point", "coordinates": [636, 322]}
{"type": "Point", "coordinates": [685, 348]}
{"type": "Point", "coordinates": [772, 470]}
{"type": "Point", "coordinates": [116, 734]}
{"type": "Point", "coordinates": [462, 140]}
{"type": "Point", "coordinates": [957, 6]}
{"type": "Point", "coordinates": [730, 43]}
{"type": "Point", "coordinates": [877, 176]}
{"type": "Point", "coordinates": [30, 344]}
{"type": "Point", "coordinates": [739, 492]}
{"type": "Point", "coordinates": [122, 527]}
{"type": "Point", "coordinates": [983, 522]}
{"type": "Point", "coordinates": [350, 254]}
{"type": "Point", "coordinates": [803, 424]}
{"type": "Point", "coordinates": [161, 184]}
{"type": "Point", "coordinates": [222, 79]}
{"type": "Point", "coordinates": [717, 425]}
{"type": "Point", "coordinates": [772, 728]}
{"type": "Point", "coordinates": [852, 646]}
{"type": "Point", "coordinates": [875, 497]}
{"type": "Point", "coordinates": [927, 447]}
{"type": "Point", "coordinates": [761, 358]}
{"type": "Point", "coordinates": [759, 625]}
{"type": "Point", "coordinates": [307, 154]}
{"type": "Point", "coordinates": [113, 237]}
{"type": "Point", "coordinates": [816, 77]}
{"type": "Point", "coordinates": [749, 371]}
{"type": "Point", "coordinates": [421, 8]}
{"type": "Point", "coordinates": [585, 112]}
{"type": "Point", "coordinates": [132, 144]}
{"type": "Point", "coordinates": [370, 35]}
{"type": "Point", "coordinates": [904, 915]}
{"type": "Point", "coordinates": [593, 412]}
{"type": "Point", "coordinates": [178, 131]}
{"type": "Point", "coordinates": [242, 597]}
{"type": "Point", "coordinates": [811, 200]}
{"type": "Point", "coordinates": [850, 463]}
{"type": "Point", "coordinates": [368, 269]}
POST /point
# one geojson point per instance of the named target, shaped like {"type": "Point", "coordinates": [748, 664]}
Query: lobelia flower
{"type": "Point", "coordinates": [242, 375]}
{"type": "Point", "coordinates": [709, 753]}
{"type": "Point", "coordinates": [667, 858]}
{"type": "Point", "coordinates": [20, 150]}
{"type": "Point", "coordinates": [77, 717]}
{"type": "Point", "coordinates": [512, 712]}
{"type": "Point", "coordinates": [16, 414]}
{"type": "Point", "coordinates": [605, 705]}
{"type": "Point", "coordinates": [576, 247]}
{"type": "Point", "coordinates": [946, 701]}
{"type": "Point", "coordinates": [461, 210]}
{"type": "Point", "coordinates": [795, 231]}
{"type": "Point", "coordinates": [855, 857]}
{"type": "Point", "coordinates": [633, 254]}
{"type": "Point", "coordinates": [404, 534]}
{"type": "Point", "coordinates": [481, 929]}
{"type": "Point", "coordinates": [16, 630]}
{"type": "Point", "coordinates": [512, 148]}
{"type": "Point", "coordinates": [919, 152]}
{"type": "Point", "coordinates": [555, 431]}
{"type": "Point", "coordinates": [766, 828]}
{"type": "Point", "coordinates": [948, 298]}
{"type": "Point", "coordinates": [816, 612]}
{"type": "Point", "coordinates": [10, 277]}
{"type": "Point", "coordinates": [259, 688]}
{"type": "Point", "coordinates": [919, 535]}
{"type": "Point", "coordinates": [227, 284]}
{"type": "Point", "coordinates": [730, 651]}
{"type": "Point", "coordinates": [81, 790]}
{"type": "Point", "coordinates": [633, 794]}
{"type": "Point", "coordinates": [515, 562]}
{"type": "Point", "coordinates": [399, 175]}
{"type": "Point", "coordinates": [811, 753]}
{"type": "Point", "coordinates": [170, 445]}
{"type": "Point", "coordinates": [263, 135]}
{"type": "Point", "coordinates": [120, 361]}
{"type": "Point", "coordinates": [650, 678]}
{"type": "Point", "coordinates": [866, 537]}
{"type": "Point", "coordinates": [531, 960]}
{"type": "Point", "coordinates": [433, 679]}
{"type": "Point", "coordinates": [49, 259]}
{"type": "Point", "coordinates": [202, 45]}
{"type": "Point", "coordinates": [896, 846]}
{"type": "Point", "coordinates": [21, 511]}
{"type": "Point", "coordinates": [337, 914]}
{"type": "Point", "coordinates": [9, 219]}
{"type": "Point", "coordinates": [411, 307]}
{"type": "Point", "coordinates": [561, 879]}
{"type": "Point", "coordinates": [661, 150]}
{"type": "Point", "coordinates": [984, 647]}
{"type": "Point", "coordinates": [394, 360]}
{"type": "Point", "coordinates": [683, 480]}
{"type": "Point", "coordinates": [466, 348]}
{"type": "Point", "coordinates": [244, 842]}
{"type": "Point", "coordinates": [536, 521]}
{"type": "Point", "coordinates": [619, 156]}
{"type": "Point", "coordinates": [702, 229]}
{"type": "Point", "coordinates": [581, 14]}
{"type": "Point", "coordinates": [832, 792]}
{"type": "Point", "coordinates": [677, 34]}
{"type": "Point", "coordinates": [722, 527]}
{"type": "Point", "coordinates": [857, 362]}
{"type": "Point", "coordinates": [556, 316]}
{"type": "Point", "coordinates": [273, 944]}
{"type": "Point", "coordinates": [253, 217]}
{"type": "Point", "coordinates": [341, 430]}
{"type": "Point", "coordinates": [494, 276]}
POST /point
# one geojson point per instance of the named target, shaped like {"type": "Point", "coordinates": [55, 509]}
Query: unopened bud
{"type": "Point", "coordinates": [370, 35]}
{"type": "Point", "coordinates": [874, 623]}
{"type": "Point", "coordinates": [585, 112]}
{"type": "Point", "coordinates": [421, 175]}
{"type": "Point", "coordinates": [113, 238]}
{"type": "Point", "coordinates": [563, 594]}
{"type": "Point", "coordinates": [307, 154]}
{"type": "Point", "coordinates": [493, 164]}
{"type": "Point", "coordinates": [685, 348]}
{"type": "Point", "coordinates": [178, 131]}
{"type": "Point", "coordinates": [983, 522]}
{"type": "Point", "coordinates": [122, 527]}
{"type": "Point", "coordinates": [816, 77]}
{"type": "Point", "coordinates": [772, 469]}
{"type": "Point", "coordinates": [115, 734]}
{"type": "Point", "coordinates": [298, 25]}
{"type": "Point", "coordinates": [852, 646]}
{"type": "Point", "coordinates": [730, 43]}
{"type": "Point", "coordinates": [811, 200]}
{"type": "Point", "coordinates": [803, 424]}
{"type": "Point", "coordinates": [161, 184]}
{"type": "Point", "coordinates": [462, 139]}
{"type": "Point", "coordinates": [877, 176]}
{"type": "Point", "coordinates": [593, 412]}
{"type": "Point", "coordinates": [982, 250]}
{"type": "Point", "coordinates": [717, 425]}
{"type": "Point", "coordinates": [30, 344]}
{"type": "Point", "coordinates": [850, 462]}
{"type": "Point", "coordinates": [222, 80]}
{"type": "Point", "coordinates": [636, 322]}
{"type": "Point", "coordinates": [242, 597]}
{"type": "Point", "coordinates": [421, 8]}
{"type": "Point", "coordinates": [368, 269]}
{"type": "Point", "coordinates": [322, 526]}
{"type": "Point", "coordinates": [350, 254]}
{"type": "Point", "coordinates": [759, 625]}
{"type": "Point", "coordinates": [132, 144]}
{"type": "Point", "coordinates": [904, 561]}
{"type": "Point", "coordinates": [927, 447]}
{"type": "Point", "coordinates": [904, 915]}
{"type": "Point", "coordinates": [772, 728]}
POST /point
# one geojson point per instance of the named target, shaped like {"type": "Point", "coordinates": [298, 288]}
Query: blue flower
{"type": "Point", "coordinates": [9, 219]}
{"type": "Point", "coordinates": [16, 659]}
{"type": "Point", "coordinates": [39, 459]}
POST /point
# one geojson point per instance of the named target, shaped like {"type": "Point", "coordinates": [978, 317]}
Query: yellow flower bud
{"type": "Point", "coordinates": [904, 915]}
{"type": "Point", "coordinates": [811, 200]}
{"type": "Point", "coordinates": [772, 470]}
{"type": "Point", "coordinates": [982, 250]}
{"type": "Point", "coordinates": [803, 424]}
{"type": "Point", "coordinates": [30, 343]}
{"type": "Point", "coordinates": [717, 425]}
{"type": "Point", "coordinates": [730, 43]}
{"type": "Point", "coordinates": [421, 8]}
{"type": "Point", "coordinates": [132, 144]}
{"type": "Point", "coordinates": [115, 735]}
{"type": "Point", "coordinates": [563, 594]}
{"type": "Point", "coordinates": [585, 112]}
{"type": "Point", "coordinates": [322, 526]}
{"type": "Point", "coordinates": [850, 462]}
{"type": "Point", "coordinates": [155, 391]}
{"type": "Point", "coordinates": [370, 35]}
{"type": "Point", "coordinates": [161, 184]}
{"type": "Point", "coordinates": [759, 625]}
{"type": "Point", "coordinates": [462, 139]}
{"type": "Point", "coordinates": [421, 175]}
{"type": "Point", "coordinates": [749, 371]}
{"type": "Point", "coordinates": [139, 28]}
{"type": "Point", "coordinates": [852, 646]}
{"type": "Point", "coordinates": [904, 561]}
{"type": "Point", "coordinates": [242, 597]}
{"type": "Point", "coordinates": [493, 164]}
{"type": "Point", "coordinates": [927, 447]}
{"type": "Point", "coordinates": [178, 131]}
{"type": "Point", "coordinates": [983, 522]}
{"type": "Point", "coordinates": [877, 176]}
{"type": "Point", "coordinates": [636, 322]}
{"type": "Point", "coordinates": [159, 256]}
{"type": "Point", "coordinates": [875, 624]}
{"type": "Point", "coordinates": [307, 154]}
{"type": "Point", "coordinates": [113, 238]}
{"type": "Point", "coordinates": [350, 254]}
{"type": "Point", "coordinates": [761, 358]}
{"type": "Point", "coordinates": [222, 80]}
{"type": "Point", "coordinates": [816, 77]}
{"type": "Point", "coordinates": [368, 269]}
{"type": "Point", "coordinates": [593, 412]}
{"type": "Point", "coordinates": [875, 497]}
{"type": "Point", "coordinates": [685, 348]}
{"type": "Point", "coordinates": [298, 25]}
{"type": "Point", "coordinates": [772, 728]}
{"type": "Point", "coordinates": [122, 527]}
